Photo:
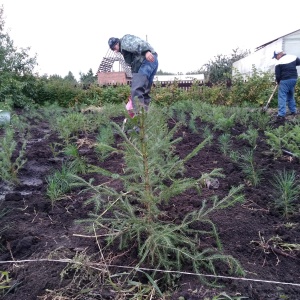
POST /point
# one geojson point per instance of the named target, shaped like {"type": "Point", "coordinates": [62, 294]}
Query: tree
{"type": "Point", "coordinates": [16, 67]}
{"type": "Point", "coordinates": [88, 78]}
{"type": "Point", "coordinates": [160, 72]}
{"type": "Point", "coordinates": [70, 78]}
{"type": "Point", "coordinates": [55, 77]}
{"type": "Point", "coordinates": [12, 59]}
{"type": "Point", "coordinates": [219, 69]}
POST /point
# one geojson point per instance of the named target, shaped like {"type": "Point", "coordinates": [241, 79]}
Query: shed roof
{"type": "Point", "coordinates": [264, 45]}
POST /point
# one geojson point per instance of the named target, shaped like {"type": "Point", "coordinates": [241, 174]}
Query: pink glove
{"type": "Point", "coordinates": [129, 107]}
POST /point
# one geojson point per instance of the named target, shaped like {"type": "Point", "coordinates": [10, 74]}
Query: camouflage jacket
{"type": "Point", "coordinates": [134, 49]}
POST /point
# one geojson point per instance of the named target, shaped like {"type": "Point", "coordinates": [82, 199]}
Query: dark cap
{"type": "Point", "coordinates": [113, 42]}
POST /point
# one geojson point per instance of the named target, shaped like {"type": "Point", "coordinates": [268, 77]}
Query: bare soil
{"type": "Point", "coordinates": [36, 230]}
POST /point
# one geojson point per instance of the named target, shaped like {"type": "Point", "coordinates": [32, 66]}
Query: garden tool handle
{"type": "Point", "coordinates": [272, 93]}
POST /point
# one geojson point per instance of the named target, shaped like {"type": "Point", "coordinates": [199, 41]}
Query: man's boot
{"type": "Point", "coordinates": [139, 85]}
{"type": "Point", "coordinates": [147, 98]}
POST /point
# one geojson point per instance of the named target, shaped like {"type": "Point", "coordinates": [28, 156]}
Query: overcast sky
{"type": "Point", "coordinates": [72, 35]}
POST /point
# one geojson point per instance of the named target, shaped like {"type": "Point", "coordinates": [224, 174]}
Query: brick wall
{"type": "Point", "coordinates": [112, 78]}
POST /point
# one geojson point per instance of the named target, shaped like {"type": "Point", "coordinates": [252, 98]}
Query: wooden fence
{"type": "Point", "coordinates": [181, 84]}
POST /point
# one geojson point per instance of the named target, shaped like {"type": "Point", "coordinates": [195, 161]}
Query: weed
{"type": "Point", "coordinates": [4, 281]}
{"type": "Point", "coordinates": [137, 290]}
{"type": "Point", "coordinates": [277, 246]}
{"type": "Point", "coordinates": [290, 225]}
{"type": "Point", "coordinates": [284, 297]}
{"type": "Point", "coordinates": [290, 247]}
{"type": "Point", "coordinates": [224, 296]}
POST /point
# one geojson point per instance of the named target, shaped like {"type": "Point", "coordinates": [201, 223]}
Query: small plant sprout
{"type": "Point", "coordinates": [252, 172]}
{"type": "Point", "coordinates": [59, 183]}
{"type": "Point", "coordinates": [290, 225]}
{"type": "Point", "coordinates": [225, 143]}
{"type": "Point", "coordinates": [286, 193]}
{"type": "Point", "coordinates": [4, 280]}
{"type": "Point", "coordinates": [234, 156]}
{"type": "Point", "coordinates": [223, 123]}
{"type": "Point", "coordinates": [251, 135]}
{"type": "Point", "coordinates": [284, 139]}
{"type": "Point", "coordinates": [71, 124]}
{"type": "Point", "coordinates": [10, 167]}
{"type": "Point", "coordinates": [55, 149]}
{"type": "Point", "coordinates": [77, 163]}
{"type": "Point", "coordinates": [208, 133]}
{"type": "Point", "coordinates": [225, 296]}
{"type": "Point", "coordinates": [261, 120]}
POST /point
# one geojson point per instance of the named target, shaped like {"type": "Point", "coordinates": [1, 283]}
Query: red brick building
{"type": "Point", "coordinates": [113, 70]}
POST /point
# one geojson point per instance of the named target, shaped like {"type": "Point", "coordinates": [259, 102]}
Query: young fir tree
{"type": "Point", "coordinates": [153, 174]}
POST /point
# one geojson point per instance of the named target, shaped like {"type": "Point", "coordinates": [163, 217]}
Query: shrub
{"type": "Point", "coordinates": [254, 89]}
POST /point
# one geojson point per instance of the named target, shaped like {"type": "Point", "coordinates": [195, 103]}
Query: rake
{"type": "Point", "coordinates": [265, 108]}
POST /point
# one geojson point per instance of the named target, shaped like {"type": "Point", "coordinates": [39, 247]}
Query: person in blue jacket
{"type": "Point", "coordinates": [286, 77]}
{"type": "Point", "coordinates": [142, 58]}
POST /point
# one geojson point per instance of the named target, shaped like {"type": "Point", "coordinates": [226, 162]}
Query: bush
{"type": "Point", "coordinates": [255, 89]}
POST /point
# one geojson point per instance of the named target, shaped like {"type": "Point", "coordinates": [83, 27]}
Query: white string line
{"type": "Point", "coordinates": [149, 269]}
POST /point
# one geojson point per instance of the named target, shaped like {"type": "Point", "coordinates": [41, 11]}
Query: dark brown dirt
{"type": "Point", "coordinates": [35, 230]}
